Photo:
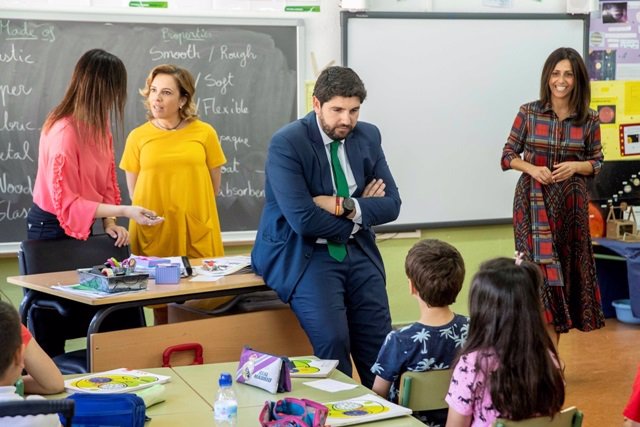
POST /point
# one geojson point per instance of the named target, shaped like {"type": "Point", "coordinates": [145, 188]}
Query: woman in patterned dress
{"type": "Point", "coordinates": [559, 137]}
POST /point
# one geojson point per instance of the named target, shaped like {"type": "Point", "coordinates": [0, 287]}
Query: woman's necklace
{"type": "Point", "coordinates": [158, 124]}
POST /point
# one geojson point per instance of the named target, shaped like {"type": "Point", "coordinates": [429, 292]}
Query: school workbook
{"type": "Point", "coordinates": [306, 367]}
{"type": "Point", "coordinates": [363, 409]}
{"type": "Point", "coordinates": [115, 381]}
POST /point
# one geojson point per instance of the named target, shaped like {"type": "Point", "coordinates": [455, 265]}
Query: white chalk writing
{"type": "Point", "coordinates": [27, 31]}
{"type": "Point", "coordinates": [210, 106]}
{"type": "Point", "coordinates": [16, 56]}
{"type": "Point", "coordinates": [237, 55]}
{"type": "Point", "coordinates": [9, 213]}
{"type": "Point", "coordinates": [235, 140]}
{"type": "Point", "coordinates": [10, 154]}
{"type": "Point", "coordinates": [7, 90]}
{"type": "Point", "coordinates": [160, 54]}
{"type": "Point", "coordinates": [229, 190]}
{"type": "Point", "coordinates": [13, 125]}
{"type": "Point", "coordinates": [231, 167]}
{"type": "Point", "coordinates": [199, 34]}
{"type": "Point", "coordinates": [7, 187]}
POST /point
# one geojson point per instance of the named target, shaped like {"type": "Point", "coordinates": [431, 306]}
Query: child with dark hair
{"type": "Point", "coordinates": [436, 271]}
{"type": "Point", "coordinates": [509, 366]}
{"type": "Point", "coordinates": [11, 366]}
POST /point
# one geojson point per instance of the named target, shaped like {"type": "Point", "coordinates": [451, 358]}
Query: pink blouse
{"type": "Point", "coordinates": [73, 177]}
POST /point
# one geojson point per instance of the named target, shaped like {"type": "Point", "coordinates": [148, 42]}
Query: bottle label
{"type": "Point", "coordinates": [225, 410]}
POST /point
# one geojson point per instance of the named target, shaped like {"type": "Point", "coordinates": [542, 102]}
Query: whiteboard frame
{"type": "Point", "coordinates": [172, 16]}
{"type": "Point", "coordinates": [347, 17]}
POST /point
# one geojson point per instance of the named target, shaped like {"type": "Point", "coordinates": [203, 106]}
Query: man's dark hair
{"type": "Point", "coordinates": [338, 81]}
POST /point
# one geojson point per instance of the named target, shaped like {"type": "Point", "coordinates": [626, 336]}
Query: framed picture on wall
{"type": "Point", "coordinates": [630, 139]}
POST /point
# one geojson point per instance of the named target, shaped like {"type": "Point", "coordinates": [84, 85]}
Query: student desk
{"type": "Point", "coordinates": [154, 294]}
{"type": "Point", "coordinates": [203, 379]}
{"type": "Point", "coordinates": [192, 389]}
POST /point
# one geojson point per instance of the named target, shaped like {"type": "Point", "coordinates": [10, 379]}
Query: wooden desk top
{"type": "Point", "coordinates": [44, 282]}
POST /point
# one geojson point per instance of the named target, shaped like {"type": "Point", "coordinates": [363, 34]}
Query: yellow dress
{"type": "Point", "coordinates": [174, 180]}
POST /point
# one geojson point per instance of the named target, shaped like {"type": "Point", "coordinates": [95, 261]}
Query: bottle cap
{"type": "Point", "coordinates": [225, 379]}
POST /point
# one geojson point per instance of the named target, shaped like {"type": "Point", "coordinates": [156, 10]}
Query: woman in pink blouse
{"type": "Point", "coordinates": [76, 179]}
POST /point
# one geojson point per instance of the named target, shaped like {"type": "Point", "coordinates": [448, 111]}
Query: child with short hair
{"type": "Point", "coordinates": [435, 270]}
{"type": "Point", "coordinates": [509, 366]}
{"type": "Point", "coordinates": [11, 365]}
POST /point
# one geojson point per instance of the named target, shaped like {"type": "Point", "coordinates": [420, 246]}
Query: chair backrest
{"type": "Point", "coordinates": [570, 417]}
{"type": "Point", "coordinates": [44, 256]}
{"type": "Point", "coordinates": [65, 407]}
{"type": "Point", "coordinates": [424, 391]}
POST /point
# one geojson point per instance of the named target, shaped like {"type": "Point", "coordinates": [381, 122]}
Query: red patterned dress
{"type": "Point", "coordinates": [551, 222]}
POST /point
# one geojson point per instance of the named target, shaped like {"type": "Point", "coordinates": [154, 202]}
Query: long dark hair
{"type": "Point", "coordinates": [581, 94]}
{"type": "Point", "coordinates": [98, 87]}
{"type": "Point", "coordinates": [506, 321]}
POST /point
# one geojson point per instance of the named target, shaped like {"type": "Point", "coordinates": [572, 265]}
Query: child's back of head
{"type": "Point", "coordinates": [436, 270]}
{"type": "Point", "coordinates": [506, 325]}
{"type": "Point", "coordinates": [10, 343]}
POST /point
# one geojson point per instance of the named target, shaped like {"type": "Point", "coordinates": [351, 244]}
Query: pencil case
{"type": "Point", "coordinates": [266, 371]}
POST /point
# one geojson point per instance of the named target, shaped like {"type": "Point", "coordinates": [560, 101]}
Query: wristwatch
{"type": "Point", "coordinates": [348, 206]}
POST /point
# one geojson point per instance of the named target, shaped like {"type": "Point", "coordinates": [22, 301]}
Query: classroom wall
{"type": "Point", "coordinates": [322, 35]}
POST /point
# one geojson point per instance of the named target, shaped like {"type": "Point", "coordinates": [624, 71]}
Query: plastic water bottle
{"type": "Point", "coordinates": [225, 408]}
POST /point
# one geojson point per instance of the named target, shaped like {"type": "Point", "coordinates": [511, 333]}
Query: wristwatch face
{"type": "Point", "coordinates": [348, 204]}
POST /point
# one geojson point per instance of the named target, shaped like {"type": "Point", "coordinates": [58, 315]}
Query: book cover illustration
{"type": "Point", "coordinates": [115, 381]}
{"type": "Point", "coordinates": [366, 408]}
{"type": "Point", "coordinates": [305, 367]}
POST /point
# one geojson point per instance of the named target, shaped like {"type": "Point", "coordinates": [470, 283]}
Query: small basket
{"type": "Point", "coordinates": [624, 313]}
{"type": "Point", "coordinates": [168, 274]}
{"type": "Point", "coordinates": [113, 284]}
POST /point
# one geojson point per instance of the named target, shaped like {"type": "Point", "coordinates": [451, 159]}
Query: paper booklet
{"type": "Point", "coordinates": [224, 266]}
{"type": "Point", "coordinates": [363, 409]}
{"type": "Point", "coordinates": [306, 367]}
{"type": "Point", "coordinates": [116, 381]}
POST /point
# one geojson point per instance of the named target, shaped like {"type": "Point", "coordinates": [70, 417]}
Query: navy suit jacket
{"type": "Point", "coordinates": [297, 169]}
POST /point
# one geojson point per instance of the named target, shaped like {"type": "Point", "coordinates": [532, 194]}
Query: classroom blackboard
{"type": "Point", "coordinates": [248, 75]}
{"type": "Point", "coordinates": [444, 90]}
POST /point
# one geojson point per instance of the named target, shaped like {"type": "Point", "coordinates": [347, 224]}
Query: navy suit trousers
{"type": "Point", "coordinates": [344, 309]}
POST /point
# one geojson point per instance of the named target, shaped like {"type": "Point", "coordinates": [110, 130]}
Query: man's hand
{"type": "Point", "coordinates": [374, 189]}
{"type": "Point", "coordinates": [328, 203]}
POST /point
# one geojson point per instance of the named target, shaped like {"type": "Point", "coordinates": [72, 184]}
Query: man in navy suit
{"type": "Point", "coordinates": [327, 185]}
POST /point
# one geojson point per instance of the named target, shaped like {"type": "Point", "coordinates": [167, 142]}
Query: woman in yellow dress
{"type": "Point", "coordinates": [172, 164]}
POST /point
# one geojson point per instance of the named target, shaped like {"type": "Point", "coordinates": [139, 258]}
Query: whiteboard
{"type": "Point", "coordinates": [444, 90]}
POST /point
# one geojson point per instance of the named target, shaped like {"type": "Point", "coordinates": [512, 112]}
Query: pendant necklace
{"type": "Point", "coordinates": [158, 124]}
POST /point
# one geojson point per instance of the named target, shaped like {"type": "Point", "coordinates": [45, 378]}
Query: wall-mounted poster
{"type": "Point", "coordinates": [630, 139]}
{"type": "Point", "coordinates": [614, 42]}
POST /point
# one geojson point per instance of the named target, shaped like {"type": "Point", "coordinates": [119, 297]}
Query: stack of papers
{"type": "Point", "coordinates": [87, 291]}
{"type": "Point", "coordinates": [219, 267]}
{"type": "Point", "coordinates": [116, 381]}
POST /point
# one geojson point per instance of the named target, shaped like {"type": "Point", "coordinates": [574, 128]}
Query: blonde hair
{"type": "Point", "coordinates": [186, 86]}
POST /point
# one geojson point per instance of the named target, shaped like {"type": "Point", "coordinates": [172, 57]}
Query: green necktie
{"type": "Point", "coordinates": [338, 250]}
